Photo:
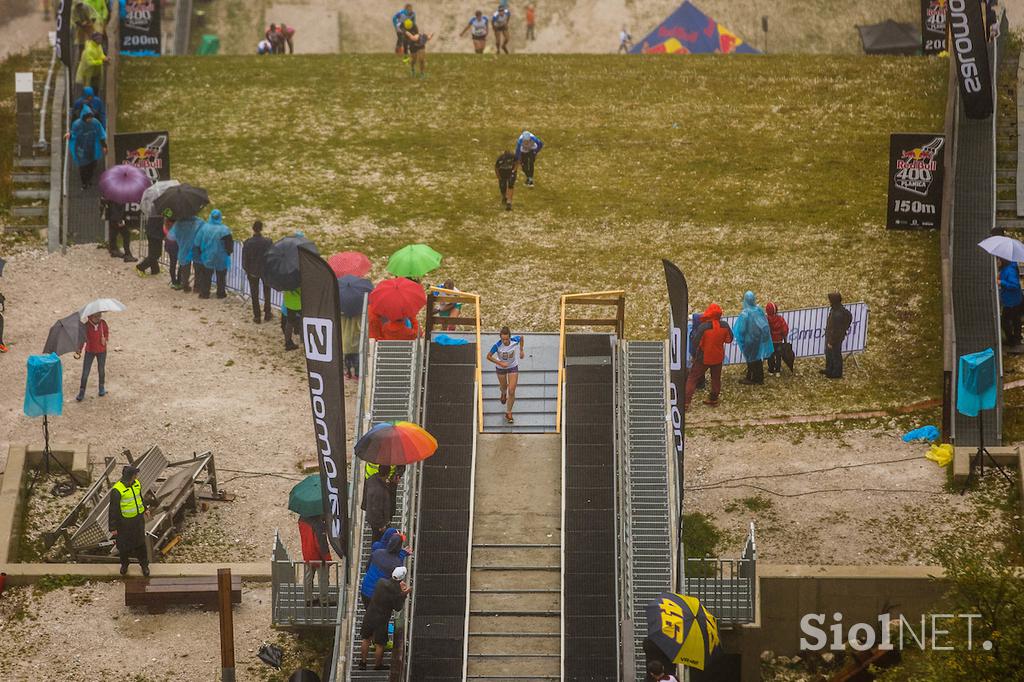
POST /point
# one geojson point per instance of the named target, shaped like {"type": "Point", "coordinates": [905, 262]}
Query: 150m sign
{"type": "Point", "coordinates": [916, 164]}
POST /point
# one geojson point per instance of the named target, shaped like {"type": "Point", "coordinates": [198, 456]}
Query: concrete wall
{"type": "Point", "coordinates": [860, 593]}
{"type": "Point", "coordinates": [11, 493]}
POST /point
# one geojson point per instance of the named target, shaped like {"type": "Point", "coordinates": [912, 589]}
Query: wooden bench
{"type": "Point", "coordinates": [156, 594]}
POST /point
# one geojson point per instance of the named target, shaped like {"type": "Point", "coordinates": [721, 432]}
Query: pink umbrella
{"type": "Point", "coordinates": [349, 263]}
{"type": "Point", "coordinates": [124, 184]}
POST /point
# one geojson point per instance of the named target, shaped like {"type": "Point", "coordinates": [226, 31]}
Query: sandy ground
{"type": "Point", "coordinates": [186, 374]}
{"type": "Point", "coordinates": [316, 21]}
{"type": "Point", "coordinates": [22, 33]}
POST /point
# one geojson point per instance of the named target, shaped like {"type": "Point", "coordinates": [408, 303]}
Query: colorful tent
{"type": "Point", "coordinates": [690, 31]}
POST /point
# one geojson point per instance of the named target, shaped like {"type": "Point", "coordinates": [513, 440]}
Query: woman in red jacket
{"type": "Point", "coordinates": [709, 339]}
{"type": "Point", "coordinates": [97, 334]}
{"type": "Point", "coordinates": [780, 330]}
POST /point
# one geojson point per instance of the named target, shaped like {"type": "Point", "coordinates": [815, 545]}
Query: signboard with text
{"type": "Point", "coordinates": [933, 26]}
{"type": "Point", "coordinates": [916, 162]}
{"type": "Point", "coordinates": [149, 151]}
{"type": "Point", "coordinates": [140, 28]}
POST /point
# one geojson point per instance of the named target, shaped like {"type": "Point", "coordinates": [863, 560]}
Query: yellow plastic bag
{"type": "Point", "coordinates": [941, 454]}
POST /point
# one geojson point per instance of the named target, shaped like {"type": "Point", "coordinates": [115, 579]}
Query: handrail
{"type": "Point", "coordinates": [618, 299]}
{"type": "Point", "coordinates": [42, 144]}
{"type": "Point", "coordinates": [456, 296]}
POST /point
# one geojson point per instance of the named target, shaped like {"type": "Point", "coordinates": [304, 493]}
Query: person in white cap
{"type": "Point", "coordinates": [388, 596]}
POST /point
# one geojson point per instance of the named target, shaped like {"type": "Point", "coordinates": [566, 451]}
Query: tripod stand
{"type": "Point", "coordinates": [978, 458]}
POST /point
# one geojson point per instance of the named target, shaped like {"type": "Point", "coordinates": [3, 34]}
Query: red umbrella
{"type": "Point", "coordinates": [349, 263]}
{"type": "Point", "coordinates": [397, 298]}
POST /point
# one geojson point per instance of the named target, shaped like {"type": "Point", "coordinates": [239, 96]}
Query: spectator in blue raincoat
{"type": "Point", "coordinates": [87, 143]}
{"type": "Point", "coordinates": [388, 554]}
{"type": "Point", "coordinates": [183, 232]}
{"type": "Point", "coordinates": [754, 337]}
{"type": "Point", "coordinates": [213, 248]}
{"type": "Point", "coordinates": [89, 98]}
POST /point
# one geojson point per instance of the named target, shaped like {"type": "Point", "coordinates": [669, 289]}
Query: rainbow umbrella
{"type": "Point", "coordinates": [349, 263]}
{"type": "Point", "coordinates": [683, 629]}
{"type": "Point", "coordinates": [395, 443]}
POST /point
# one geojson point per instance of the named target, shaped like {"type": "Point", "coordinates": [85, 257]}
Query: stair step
{"type": "Point", "coordinates": [31, 194]}
{"type": "Point", "coordinates": [1010, 223]}
{"type": "Point", "coordinates": [514, 580]}
{"type": "Point", "coordinates": [502, 644]}
{"type": "Point", "coordinates": [28, 211]}
{"type": "Point", "coordinates": [1005, 205]}
{"type": "Point", "coordinates": [30, 178]}
{"type": "Point", "coordinates": [1006, 172]}
{"type": "Point", "coordinates": [41, 162]}
{"type": "Point", "coordinates": [534, 604]}
{"type": "Point", "coordinates": [512, 667]}
{"type": "Point", "coordinates": [530, 625]}
{"type": "Point", "coordinates": [25, 228]}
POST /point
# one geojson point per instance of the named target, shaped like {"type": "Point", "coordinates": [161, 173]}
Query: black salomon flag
{"type": "Point", "coordinates": [321, 337]}
{"type": "Point", "coordinates": [64, 46]}
{"type": "Point", "coordinates": [969, 44]}
{"type": "Point", "coordinates": [679, 303]}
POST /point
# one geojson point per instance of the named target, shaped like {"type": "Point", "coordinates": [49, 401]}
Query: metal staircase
{"type": "Point", "coordinates": [648, 520]}
{"type": "Point", "coordinates": [397, 369]}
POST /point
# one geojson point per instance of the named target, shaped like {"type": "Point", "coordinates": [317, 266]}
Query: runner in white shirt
{"type": "Point", "coordinates": [499, 22]}
{"type": "Point", "coordinates": [478, 23]}
{"type": "Point", "coordinates": [506, 354]}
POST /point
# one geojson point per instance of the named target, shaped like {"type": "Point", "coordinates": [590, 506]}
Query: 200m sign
{"type": "Point", "coordinates": [916, 169]}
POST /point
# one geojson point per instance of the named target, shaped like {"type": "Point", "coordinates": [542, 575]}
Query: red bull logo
{"type": "Point", "coordinates": [935, 16]}
{"type": "Point", "coordinates": [921, 159]}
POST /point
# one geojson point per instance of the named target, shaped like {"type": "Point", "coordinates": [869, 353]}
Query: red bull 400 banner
{"type": "Point", "coordinates": [149, 151]}
{"type": "Point", "coordinates": [140, 28]}
{"type": "Point", "coordinates": [933, 26]}
{"type": "Point", "coordinates": [916, 162]}
{"type": "Point", "coordinates": [690, 31]}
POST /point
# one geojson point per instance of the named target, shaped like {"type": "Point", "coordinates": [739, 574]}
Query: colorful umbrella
{"type": "Point", "coordinates": [414, 260]}
{"type": "Point", "coordinates": [394, 443]}
{"type": "Point", "coordinates": [349, 263]}
{"type": "Point", "coordinates": [67, 335]}
{"type": "Point", "coordinates": [281, 263]}
{"type": "Point", "coordinates": [100, 305]}
{"type": "Point", "coordinates": [181, 201]}
{"type": "Point", "coordinates": [306, 498]}
{"type": "Point", "coordinates": [124, 184]}
{"type": "Point", "coordinates": [352, 289]}
{"type": "Point", "coordinates": [397, 298]}
{"type": "Point", "coordinates": [683, 629]}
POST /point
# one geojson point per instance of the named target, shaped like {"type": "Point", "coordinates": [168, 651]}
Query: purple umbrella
{"type": "Point", "coordinates": [124, 184]}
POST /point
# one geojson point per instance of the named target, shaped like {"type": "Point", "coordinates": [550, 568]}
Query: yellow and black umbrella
{"type": "Point", "coordinates": [683, 629]}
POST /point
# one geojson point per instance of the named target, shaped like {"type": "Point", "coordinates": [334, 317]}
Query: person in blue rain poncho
{"type": "Point", "coordinates": [754, 337]}
{"type": "Point", "coordinates": [212, 251]}
{"type": "Point", "coordinates": [87, 143]}
{"type": "Point", "coordinates": [183, 232]}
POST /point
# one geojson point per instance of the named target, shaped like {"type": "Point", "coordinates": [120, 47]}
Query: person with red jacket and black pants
{"type": "Point", "coordinates": [710, 339]}
{"type": "Point", "coordinates": [780, 330]}
{"type": "Point", "coordinates": [97, 335]}
{"type": "Point", "coordinates": [315, 552]}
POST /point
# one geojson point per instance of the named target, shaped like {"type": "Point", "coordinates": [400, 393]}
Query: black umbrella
{"type": "Point", "coordinates": [352, 289]}
{"type": "Point", "coordinates": [67, 335]}
{"type": "Point", "coordinates": [281, 264]}
{"type": "Point", "coordinates": [182, 201]}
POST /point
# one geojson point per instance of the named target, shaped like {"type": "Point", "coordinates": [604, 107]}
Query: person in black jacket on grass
{"type": "Point", "coordinates": [254, 250]}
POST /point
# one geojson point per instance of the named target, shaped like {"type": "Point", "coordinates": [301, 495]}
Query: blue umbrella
{"type": "Point", "coordinates": [352, 289]}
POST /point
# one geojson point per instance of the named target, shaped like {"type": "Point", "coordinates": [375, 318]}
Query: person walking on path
{"type": "Point", "coordinates": [625, 41]}
{"type": "Point", "coordinates": [754, 337]}
{"type": "Point", "coordinates": [500, 22]}
{"type": "Point", "coordinates": [154, 229]}
{"type": "Point", "coordinates": [388, 596]}
{"type": "Point", "coordinates": [506, 354]}
{"type": "Point", "coordinates": [126, 519]}
{"type": "Point", "coordinates": [351, 334]}
{"type": "Point", "coordinates": [477, 22]}
{"type": "Point", "coordinates": [505, 169]}
{"type": "Point", "coordinates": [838, 324]}
{"type": "Point", "coordinates": [292, 322]}
{"type": "Point", "coordinates": [90, 99]}
{"type": "Point", "coordinates": [87, 143]}
{"type": "Point", "coordinates": [1011, 302]}
{"type": "Point", "coordinates": [712, 335]}
{"type": "Point", "coordinates": [183, 232]}
{"type": "Point", "coordinates": [376, 504]}
{"type": "Point", "coordinates": [398, 21]}
{"type": "Point", "coordinates": [117, 225]}
{"type": "Point", "coordinates": [417, 47]}
{"type": "Point", "coordinates": [386, 555]}
{"type": "Point", "coordinates": [214, 244]}
{"type": "Point", "coordinates": [90, 66]}
{"type": "Point", "coordinates": [315, 551]}
{"type": "Point", "coordinates": [528, 146]}
{"type": "Point", "coordinates": [254, 250]}
{"type": "Point", "coordinates": [531, 22]}
{"type": "Point", "coordinates": [780, 330]}
{"type": "Point", "coordinates": [97, 338]}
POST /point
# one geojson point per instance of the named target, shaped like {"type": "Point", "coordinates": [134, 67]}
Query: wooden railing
{"type": "Point", "coordinates": [615, 299]}
{"type": "Point", "coordinates": [437, 296]}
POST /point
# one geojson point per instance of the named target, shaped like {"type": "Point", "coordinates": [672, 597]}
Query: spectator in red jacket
{"type": "Point", "coordinates": [780, 330]}
{"type": "Point", "coordinates": [315, 551]}
{"type": "Point", "coordinates": [710, 339]}
{"type": "Point", "coordinates": [97, 335]}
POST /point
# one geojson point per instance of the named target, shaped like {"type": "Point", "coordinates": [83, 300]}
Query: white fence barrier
{"type": "Point", "coordinates": [807, 332]}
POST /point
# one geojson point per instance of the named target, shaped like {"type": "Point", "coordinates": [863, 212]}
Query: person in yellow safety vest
{"type": "Point", "coordinates": [127, 519]}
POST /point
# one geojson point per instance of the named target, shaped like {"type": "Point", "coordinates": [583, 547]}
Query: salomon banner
{"type": "Point", "coordinates": [933, 26]}
{"type": "Point", "coordinates": [916, 162]}
{"type": "Point", "coordinates": [148, 151]}
{"type": "Point", "coordinates": [321, 337]}
{"type": "Point", "coordinates": [140, 28]}
{"type": "Point", "coordinates": [679, 303]}
{"type": "Point", "coordinates": [967, 34]}
{"type": "Point", "coordinates": [63, 45]}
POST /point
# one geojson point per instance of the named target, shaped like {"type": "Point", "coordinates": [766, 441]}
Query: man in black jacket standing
{"type": "Point", "coordinates": [154, 228]}
{"type": "Point", "coordinates": [839, 320]}
{"type": "Point", "coordinates": [126, 519]}
{"type": "Point", "coordinates": [253, 252]}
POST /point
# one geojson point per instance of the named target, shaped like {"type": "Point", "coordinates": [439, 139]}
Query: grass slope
{"type": "Point", "coordinates": [762, 173]}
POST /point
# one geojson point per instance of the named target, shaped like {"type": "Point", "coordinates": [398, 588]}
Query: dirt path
{"type": "Point", "coordinates": [315, 23]}
{"type": "Point", "coordinates": [23, 33]}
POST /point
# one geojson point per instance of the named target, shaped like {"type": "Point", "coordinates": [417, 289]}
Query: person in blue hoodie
{"type": "Point", "coordinates": [754, 337]}
{"type": "Point", "coordinates": [213, 247]}
{"type": "Point", "coordinates": [1011, 301]}
{"type": "Point", "coordinates": [183, 232]}
{"type": "Point", "coordinates": [387, 555]}
{"type": "Point", "coordinates": [90, 99]}
{"type": "Point", "coordinates": [87, 143]}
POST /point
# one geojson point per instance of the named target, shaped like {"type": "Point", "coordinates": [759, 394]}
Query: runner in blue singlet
{"type": "Point", "coordinates": [478, 24]}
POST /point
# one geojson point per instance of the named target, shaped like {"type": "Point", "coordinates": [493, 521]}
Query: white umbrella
{"type": "Point", "coordinates": [1007, 248]}
{"type": "Point", "coordinates": [100, 305]}
{"type": "Point", "coordinates": [151, 194]}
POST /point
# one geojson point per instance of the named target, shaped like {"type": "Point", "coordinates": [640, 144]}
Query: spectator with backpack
{"type": "Point", "coordinates": [754, 338]}
{"type": "Point", "coordinates": [782, 349]}
{"type": "Point", "coordinates": [712, 335]}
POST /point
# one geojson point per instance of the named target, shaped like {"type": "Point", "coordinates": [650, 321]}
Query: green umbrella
{"type": "Point", "coordinates": [306, 498]}
{"type": "Point", "coordinates": [414, 260]}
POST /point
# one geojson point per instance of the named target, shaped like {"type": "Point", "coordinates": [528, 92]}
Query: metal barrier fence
{"type": "Point", "coordinates": [726, 587]}
{"type": "Point", "coordinates": [304, 593]}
